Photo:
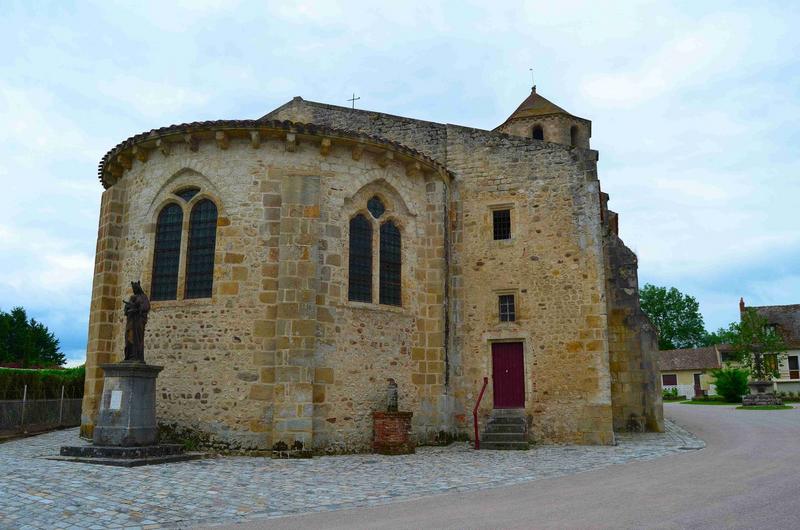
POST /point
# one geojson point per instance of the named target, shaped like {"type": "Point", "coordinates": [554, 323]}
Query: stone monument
{"type": "Point", "coordinates": [391, 430]}
{"type": "Point", "coordinates": [761, 394]}
{"type": "Point", "coordinates": [126, 431]}
{"type": "Point", "coordinates": [761, 391]}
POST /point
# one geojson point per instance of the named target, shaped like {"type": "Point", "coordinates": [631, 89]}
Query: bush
{"type": "Point", "coordinates": [731, 383]}
{"type": "Point", "coordinates": [42, 384]}
{"type": "Point", "coordinates": [671, 394]}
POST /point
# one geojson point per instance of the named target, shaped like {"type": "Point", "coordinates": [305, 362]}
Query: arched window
{"type": "Point", "coordinates": [200, 254]}
{"type": "Point", "coordinates": [166, 255]}
{"type": "Point", "coordinates": [538, 133]}
{"type": "Point", "coordinates": [391, 264]}
{"type": "Point", "coordinates": [360, 262]}
{"type": "Point", "coordinates": [573, 136]}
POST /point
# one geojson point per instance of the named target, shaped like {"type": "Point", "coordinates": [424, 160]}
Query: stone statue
{"type": "Point", "coordinates": [391, 396]}
{"type": "Point", "coordinates": [136, 309]}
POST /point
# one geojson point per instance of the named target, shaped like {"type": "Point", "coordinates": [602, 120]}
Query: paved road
{"type": "Point", "coordinates": [748, 476]}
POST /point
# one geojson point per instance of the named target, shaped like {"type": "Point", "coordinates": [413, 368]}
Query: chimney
{"type": "Point", "coordinates": [741, 305]}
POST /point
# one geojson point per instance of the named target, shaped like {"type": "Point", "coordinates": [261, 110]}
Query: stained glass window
{"type": "Point", "coordinates": [508, 312]}
{"type": "Point", "coordinates": [166, 256]}
{"type": "Point", "coordinates": [501, 221]}
{"type": "Point", "coordinates": [391, 264]}
{"type": "Point", "coordinates": [375, 207]}
{"type": "Point", "coordinates": [360, 262]}
{"type": "Point", "coordinates": [200, 254]}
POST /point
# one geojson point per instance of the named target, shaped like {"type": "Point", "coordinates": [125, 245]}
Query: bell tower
{"type": "Point", "coordinates": [540, 119]}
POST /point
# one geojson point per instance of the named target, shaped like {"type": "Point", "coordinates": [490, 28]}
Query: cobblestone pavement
{"type": "Point", "coordinates": [36, 493]}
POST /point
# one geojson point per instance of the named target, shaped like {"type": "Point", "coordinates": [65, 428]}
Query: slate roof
{"type": "Point", "coordinates": [688, 359]}
{"type": "Point", "coordinates": [787, 320]}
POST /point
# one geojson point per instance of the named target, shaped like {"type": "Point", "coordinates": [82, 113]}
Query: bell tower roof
{"type": "Point", "coordinates": [536, 105]}
{"type": "Point", "coordinates": [539, 118]}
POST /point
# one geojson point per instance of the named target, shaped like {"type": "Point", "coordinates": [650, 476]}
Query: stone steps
{"type": "Point", "coordinates": [507, 429]}
{"type": "Point", "coordinates": [505, 446]}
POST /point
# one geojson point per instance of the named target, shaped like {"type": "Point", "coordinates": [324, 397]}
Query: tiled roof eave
{"type": "Point", "coordinates": [302, 129]}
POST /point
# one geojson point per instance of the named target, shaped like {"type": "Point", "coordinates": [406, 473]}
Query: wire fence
{"type": "Point", "coordinates": [28, 414]}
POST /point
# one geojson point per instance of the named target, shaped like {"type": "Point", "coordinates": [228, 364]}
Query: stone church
{"type": "Point", "coordinates": [298, 261]}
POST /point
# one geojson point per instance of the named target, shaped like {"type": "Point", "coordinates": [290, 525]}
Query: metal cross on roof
{"type": "Point", "coordinates": [354, 99]}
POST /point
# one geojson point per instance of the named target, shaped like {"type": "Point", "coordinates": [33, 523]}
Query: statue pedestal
{"type": "Point", "coordinates": [392, 433]}
{"type": "Point", "coordinates": [126, 431]}
{"type": "Point", "coordinates": [127, 415]}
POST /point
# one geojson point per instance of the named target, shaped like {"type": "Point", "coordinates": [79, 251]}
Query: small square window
{"type": "Point", "coordinates": [501, 220]}
{"type": "Point", "coordinates": [508, 312]}
{"type": "Point", "coordinates": [669, 379]}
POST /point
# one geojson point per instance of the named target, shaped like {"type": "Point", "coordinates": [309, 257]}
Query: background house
{"type": "Point", "coordinates": [785, 320]}
{"type": "Point", "coordinates": [689, 369]}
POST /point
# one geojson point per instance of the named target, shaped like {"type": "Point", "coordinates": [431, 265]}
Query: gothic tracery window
{"type": "Point", "coordinates": [166, 255]}
{"type": "Point", "coordinates": [360, 261]}
{"type": "Point", "coordinates": [376, 207]}
{"type": "Point", "coordinates": [369, 235]}
{"type": "Point", "coordinates": [187, 193]}
{"type": "Point", "coordinates": [200, 252]}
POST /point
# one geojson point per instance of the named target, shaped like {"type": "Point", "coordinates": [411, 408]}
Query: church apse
{"type": "Point", "coordinates": [296, 268]}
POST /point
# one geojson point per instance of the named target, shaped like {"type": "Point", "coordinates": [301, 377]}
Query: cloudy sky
{"type": "Point", "coordinates": [695, 109]}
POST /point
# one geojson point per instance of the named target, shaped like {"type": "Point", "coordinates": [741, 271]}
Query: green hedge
{"type": "Point", "coordinates": [42, 384]}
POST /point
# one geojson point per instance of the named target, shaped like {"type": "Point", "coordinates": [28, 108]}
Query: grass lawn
{"type": "Point", "coordinates": [765, 407]}
{"type": "Point", "coordinates": [708, 402]}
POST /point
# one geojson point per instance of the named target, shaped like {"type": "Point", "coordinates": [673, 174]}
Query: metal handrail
{"type": "Point", "coordinates": [475, 413]}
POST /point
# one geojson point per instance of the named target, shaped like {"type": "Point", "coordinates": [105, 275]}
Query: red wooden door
{"type": "Point", "coordinates": [508, 375]}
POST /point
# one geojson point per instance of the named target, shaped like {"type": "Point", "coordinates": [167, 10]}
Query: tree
{"type": "Point", "coordinates": [26, 342]}
{"type": "Point", "coordinates": [722, 335]}
{"type": "Point", "coordinates": [757, 345]}
{"type": "Point", "coordinates": [45, 345]}
{"type": "Point", "coordinates": [676, 316]}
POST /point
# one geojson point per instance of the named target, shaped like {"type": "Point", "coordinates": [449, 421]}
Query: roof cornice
{"type": "Point", "coordinates": [120, 158]}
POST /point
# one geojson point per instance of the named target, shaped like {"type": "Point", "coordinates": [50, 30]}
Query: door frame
{"type": "Point", "coordinates": [527, 363]}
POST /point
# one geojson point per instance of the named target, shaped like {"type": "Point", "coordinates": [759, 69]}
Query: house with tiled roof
{"type": "Point", "coordinates": [785, 320]}
{"type": "Point", "coordinates": [689, 370]}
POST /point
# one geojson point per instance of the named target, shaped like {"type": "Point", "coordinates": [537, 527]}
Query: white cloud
{"type": "Point", "coordinates": [689, 59]}
{"type": "Point", "coordinates": [694, 107]}
{"type": "Point", "coordinates": [35, 126]}
{"type": "Point", "coordinates": [151, 98]}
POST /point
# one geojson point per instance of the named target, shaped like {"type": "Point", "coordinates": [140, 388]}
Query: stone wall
{"type": "Point", "coordinates": [278, 353]}
{"type": "Point", "coordinates": [553, 264]}
{"type": "Point", "coordinates": [633, 340]}
{"type": "Point", "coordinates": [556, 268]}
{"type": "Point", "coordinates": [106, 302]}
{"type": "Point", "coordinates": [556, 128]}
